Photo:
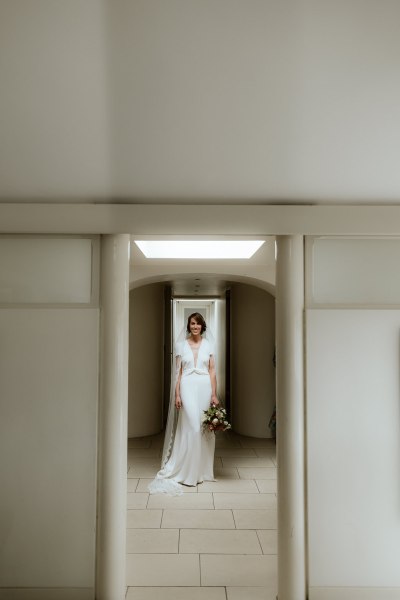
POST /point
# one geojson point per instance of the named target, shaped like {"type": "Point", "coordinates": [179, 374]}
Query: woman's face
{"type": "Point", "coordinates": [195, 327]}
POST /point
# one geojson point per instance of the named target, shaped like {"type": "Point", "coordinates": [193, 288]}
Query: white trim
{"type": "Point", "coordinates": [196, 219]}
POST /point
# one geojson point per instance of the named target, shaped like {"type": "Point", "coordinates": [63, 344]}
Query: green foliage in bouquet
{"type": "Point", "coordinates": [214, 419]}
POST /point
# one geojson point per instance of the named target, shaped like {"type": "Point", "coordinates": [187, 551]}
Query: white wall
{"type": "Point", "coordinates": [53, 117]}
{"type": "Point", "coordinates": [48, 430]}
{"type": "Point", "coordinates": [146, 375]}
{"type": "Point", "coordinates": [353, 418]}
{"type": "Point", "coordinates": [264, 90]}
{"type": "Point", "coordinates": [353, 441]}
{"type": "Point", "coordinates": [275, 99]}
{"type": "Point", "coordinates": [252, 351]}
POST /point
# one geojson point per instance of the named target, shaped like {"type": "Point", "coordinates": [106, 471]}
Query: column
{"type": "Point", "coordinates": [112, 466]}
{"type": "Point", "coordinates": [290, 418]}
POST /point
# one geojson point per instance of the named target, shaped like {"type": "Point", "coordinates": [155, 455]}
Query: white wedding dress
{"type": "Point", "coordinates": [192, 457]}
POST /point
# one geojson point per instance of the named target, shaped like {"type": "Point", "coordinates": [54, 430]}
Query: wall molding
{"type": "Point", "coordinates": [200, 219]}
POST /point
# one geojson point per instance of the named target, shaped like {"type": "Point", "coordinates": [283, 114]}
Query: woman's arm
{"type": "Point", "coordinates": [178, 401]}
{"type": "Point", "coordinates": [213, 378]}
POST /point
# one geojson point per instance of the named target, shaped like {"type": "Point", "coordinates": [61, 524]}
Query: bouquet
{"type": "Point", "coordinates": [214, 419]}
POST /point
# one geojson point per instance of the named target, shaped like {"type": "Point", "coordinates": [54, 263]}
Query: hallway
{"type": "Point", "coordinates": [216, 541]}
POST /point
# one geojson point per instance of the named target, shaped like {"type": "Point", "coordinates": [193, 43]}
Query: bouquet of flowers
{"type": "Point", "coordinates": [214, 419]}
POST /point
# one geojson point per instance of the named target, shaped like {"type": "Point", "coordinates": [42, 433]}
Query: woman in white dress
{"type": "Point", "coordinates": [191, 459]}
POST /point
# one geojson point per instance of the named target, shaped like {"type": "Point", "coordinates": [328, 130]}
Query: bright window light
{"type": "Point", "coordinates": [209, 249]}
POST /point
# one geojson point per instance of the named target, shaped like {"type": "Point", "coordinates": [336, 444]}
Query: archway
{"type": "Point", "coordinates": [248, 332]}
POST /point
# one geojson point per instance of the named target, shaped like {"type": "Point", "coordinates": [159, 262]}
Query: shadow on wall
{"type": "Point", "coordinates": [252, 360]}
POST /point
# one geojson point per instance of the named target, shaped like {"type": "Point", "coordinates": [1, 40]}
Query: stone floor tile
{"type": "Point", "coordinates": [252, 593]}
{"type": "Point", "coordinates": [266, 452]}
{"type": "Point", "coordinates": [157, 443]}
{"type": "Point", "coordinates": [223, 524]}
{"type": "Point", "coordinates": [143, 471]}
{"type": "Point", "coordinates": [267, 486]}
{"type": "Point", "coordinates": [176, 593]}
{"type": "Point", "coordinates": [255, 519]}
{"type": "Point", "coordinates": [229, 473]}
{"type": "Point", "coordinates": [163, 570]}
{"type": "Point", "coordinates": [155, 541]}
{"type": "Point", "coordinates": [257, 442]}
{"type": "Point", "coordinates": [144, 461]}
{"type": "Point", "coordinates": [132, 484]}
{"type": "Point", "coordinates": [249, 501]}
{"type": "Point", "coordinates": [233, 485]}
{"type": "Point", "coordinates": [198, 519]}
{"type": "Point", "coordinates": [144, 482]}
{"type": "Point", "coordinates": [244, 461]}
{"type": "Point", "coordinates": [181, 502]}
{"type": "Point", "coordinates": [257, 473]}
{"type": "Point", "coordinates": [145, 452]}
{"type": "Point", "coordinates": [143, 518]}
{"type": "Point", "coordinates": [232, 452]}
{"type": "Point", "coordinates": [237, 570]}
{"type": "Point", "coordinates": [269, 540]}
{"type": "Point", "coordinates": [227, 443]}
{"type": "Point", "coordinates": [135, 500]}
{"type": "Point", "coordinates": [219, 541]}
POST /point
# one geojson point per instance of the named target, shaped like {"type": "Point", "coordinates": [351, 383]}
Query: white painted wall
{"type": "Point", "coordinates": [256, 100]}
{"type": "Point", "coordinates": [54, 110]}
{"type": "Point", "coordinates": [252, 351]}
{"type": "Point", "coordinates": [146, 360]}
{"type": "Point", "coordinates": [48, 431]}
{"type": "Point", "coordinates": [353, 459]}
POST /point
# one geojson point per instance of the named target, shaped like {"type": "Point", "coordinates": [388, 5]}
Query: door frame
{"type": "Point", "coordinates": [217, 220]}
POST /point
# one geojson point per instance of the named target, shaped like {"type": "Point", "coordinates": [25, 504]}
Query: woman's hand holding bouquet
{"type": "Point", "coordinates": [214, 419]}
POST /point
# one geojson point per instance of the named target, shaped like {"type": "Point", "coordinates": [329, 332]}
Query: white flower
{"type": "Point", "coordinates": [225, 422]}
{"type": "Point", "coordinates": [215, 421]}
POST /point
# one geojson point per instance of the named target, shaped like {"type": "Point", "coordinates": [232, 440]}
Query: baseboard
{"type": "Point", "coordinates": [353, 593]}
{"type": "Point", "coordinates": [46, 594]}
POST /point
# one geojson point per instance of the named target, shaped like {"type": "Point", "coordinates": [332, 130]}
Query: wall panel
{"type": "Point", "coordinates": [353, 449]}
{"type": "Point", "coordinates": [48, 431]}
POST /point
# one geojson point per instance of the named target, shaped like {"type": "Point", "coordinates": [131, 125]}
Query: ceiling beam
{"type": "Point", "coordinates": [199, 219]}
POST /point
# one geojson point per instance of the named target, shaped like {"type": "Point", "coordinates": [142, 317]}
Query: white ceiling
{"type": "Point", "coordinates": [209, 101]}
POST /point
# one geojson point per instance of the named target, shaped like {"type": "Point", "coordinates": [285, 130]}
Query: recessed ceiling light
{"type": "Point", "coordinates": [206, 249]}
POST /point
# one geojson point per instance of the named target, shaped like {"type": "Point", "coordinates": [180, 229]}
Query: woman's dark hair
{"type": "Point", "coordinates": [199, 319]}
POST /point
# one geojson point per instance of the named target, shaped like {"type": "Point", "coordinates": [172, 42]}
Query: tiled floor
{"type": "Point", "coordinates": [216, 541]}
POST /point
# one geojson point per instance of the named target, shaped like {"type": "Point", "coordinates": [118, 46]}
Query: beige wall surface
{"type": "Point", "coordinates": [146, 339]}
{"type": "Point", "coordinates": [252, 351]}
{"type": "Point", "coordinates": [53, 113]}
{"type": "Point", "coordinates": [353, 457]}
{"type": "Point", "coordinates": [258, 100]}
{"type": "Point", "coordinates": [48, 444]}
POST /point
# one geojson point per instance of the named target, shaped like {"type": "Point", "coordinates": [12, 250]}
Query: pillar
{"type": "Point", "coordinates": [290, 418]}
{"type": "Point", "coordinates": [112, 465]}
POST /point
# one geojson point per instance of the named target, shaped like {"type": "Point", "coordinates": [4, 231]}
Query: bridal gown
{"type": "Point", "coordinates": [192, 457]}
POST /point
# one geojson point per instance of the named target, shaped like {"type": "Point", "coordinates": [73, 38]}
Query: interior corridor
{"type": "Point", "coordinates": [217, 541]}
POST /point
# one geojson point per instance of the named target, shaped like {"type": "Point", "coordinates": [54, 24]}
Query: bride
{"type": "Point", "coordinates": [188, 456]}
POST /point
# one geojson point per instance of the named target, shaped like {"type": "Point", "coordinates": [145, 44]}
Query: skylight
{"type": "Point", "coordinates": [205, 249]}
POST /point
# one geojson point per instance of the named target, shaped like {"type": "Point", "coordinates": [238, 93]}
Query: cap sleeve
{"type": "Point", "coordinates": [210, 348]}
{"type": "Point", "coordinates": [178, 349]}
